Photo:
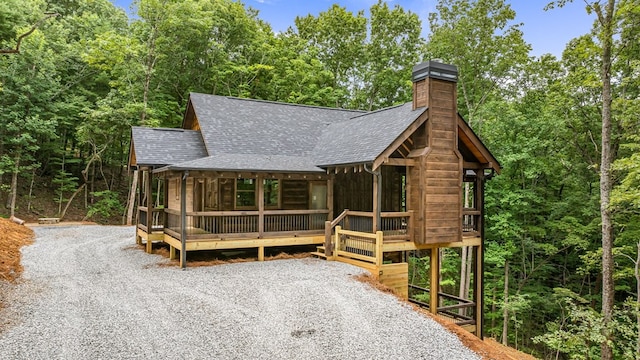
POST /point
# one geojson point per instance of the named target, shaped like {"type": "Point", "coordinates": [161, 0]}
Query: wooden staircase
{"type": "Point", "coordinates": [320, 252]}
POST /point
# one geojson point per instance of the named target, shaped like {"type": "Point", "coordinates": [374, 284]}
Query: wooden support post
{"type": "Point", "coordinates": [377, 200]}
{"type": "Point", "coordinates": [260, 189]}
{"type": "Point", "coordinates": [327, 240]}
{"type": "Point", "coordinates": [478, 289]}
{"type": "Point", "coordinates": [336, 242]}
{"type": "Point", "coordinates": [479, 259]}
{"type": "Point", "coordinates": [137, 220]}
{"type": "Point", "coordinates": [379, 252]}
{"type": "Point", "coordinates": [330, 197]}
{"type": "Point", "coordinates": [260, 253]}
{"type": "Point", "coordinates": [434, 284]}
{"type": "Point", "coordinates": [148, 187]}
{"type": "Point", "coordinates": [172, 253]}
{"type": "Point", "coordinates": [165, 216]}
{"type": "Point", "coordinates": [183, 220]}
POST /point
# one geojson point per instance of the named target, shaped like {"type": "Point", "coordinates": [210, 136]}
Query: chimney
{"type": "Point", "coordinates": [430, 70]}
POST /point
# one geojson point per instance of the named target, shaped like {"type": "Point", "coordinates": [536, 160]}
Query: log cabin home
{"type": "Point", "coordinates": [366, 188]}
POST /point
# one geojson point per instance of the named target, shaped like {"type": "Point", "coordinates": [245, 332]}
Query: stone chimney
{"type": "Point", "coordinates": [423, 73]}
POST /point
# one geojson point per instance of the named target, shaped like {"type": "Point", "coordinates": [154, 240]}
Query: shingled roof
{"type": "Point", "coordinates": [255, 135]}
{"type": "Point", "coordinates": [162, 146]}
{"type": "Point", "coordinates": [243, 126]}
{"type": "Point", "coordinates": [362, 138]}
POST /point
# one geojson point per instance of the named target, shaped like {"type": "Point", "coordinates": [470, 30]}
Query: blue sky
{"type": "Point", "coordinates": [546, 31]}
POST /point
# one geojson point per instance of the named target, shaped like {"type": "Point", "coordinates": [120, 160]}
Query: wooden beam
{"type": "Point", "coordinates": [420, 152]}
{"type": "Point", "coordinates": [400, 162]}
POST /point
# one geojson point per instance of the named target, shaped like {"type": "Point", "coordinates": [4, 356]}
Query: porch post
{"type": "Point", "coordinates": [330, 197]}
{"type": "Point", "coordinates": [165, 219]}
{"type": "Point", "coordinates": [137, 204]}
{"type": "Point", "coordinates": [478, 276]}
{"type": "Point", "coordinates": [260, 189]}
{"type": "Point", "coordinates": [183, 220]}
{"type": "Point", "coordinates": [434, 283]}
{"type": "Point", "coordinates": [377, 200]}
{"type": "Point", "coordinates": [148, 186]}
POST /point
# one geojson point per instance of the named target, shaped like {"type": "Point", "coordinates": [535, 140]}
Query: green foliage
{"type": "Point", "coordinates": [108, 204]}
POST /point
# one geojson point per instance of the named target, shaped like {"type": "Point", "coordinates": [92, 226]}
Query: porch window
{"type": "Point", "coordinates": [245, 193]}
{"type": "Point", "coordinates": [271, 193]}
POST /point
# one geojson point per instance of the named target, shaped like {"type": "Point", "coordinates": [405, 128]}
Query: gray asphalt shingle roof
{"type": "Point", "coordinates": [362, 138]}
{"type": "Point", "coordinates": [244, 126]}
{"type": "Point", "coordinates": [254, 135]}
{"type": "Point", "coordinates": [162, 146]}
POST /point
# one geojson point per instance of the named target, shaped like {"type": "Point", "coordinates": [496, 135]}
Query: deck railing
{"type": "Point", "coordinates": [393, 225]}
{"type": "Point", "coordinates": [358, 245]}
{"type": "Point", "coordinates": [252, 224]}
{"type": "Point", "coordinates": [157, 218]}
{"type": "Point", "coordinates": [471, 222]}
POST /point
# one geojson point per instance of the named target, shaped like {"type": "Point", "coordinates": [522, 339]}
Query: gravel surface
{"type": "Point", "coordinates": [89, 293]}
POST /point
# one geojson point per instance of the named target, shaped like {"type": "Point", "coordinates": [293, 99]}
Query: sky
{"type": "Point", "coordinates": [546, 31]}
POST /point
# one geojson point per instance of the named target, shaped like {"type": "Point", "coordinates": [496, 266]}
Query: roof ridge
{"type": "Point", "coordinates": [283, 103]}
{"type": "Point", "coordinates": [162, 128]}
{"type": "Point", "coordinates": [379, 110]}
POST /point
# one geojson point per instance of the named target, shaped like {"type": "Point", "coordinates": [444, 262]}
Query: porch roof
{"type": "Point", "coordinates": [163, 146]}
{"type": "Point", "coordinates": [248, 162]}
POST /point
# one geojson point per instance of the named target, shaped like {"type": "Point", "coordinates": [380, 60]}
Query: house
{"type": "Point", "coordinates": [365, 187]}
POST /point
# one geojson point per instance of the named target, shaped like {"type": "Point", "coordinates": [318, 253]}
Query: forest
{"type": "Point", "coordinates": [563, 218]}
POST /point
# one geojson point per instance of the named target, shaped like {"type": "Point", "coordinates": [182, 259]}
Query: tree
{"type": "Point", "coordinates": [487, 48]}
{"type": "Point", "coordinates": [337, 39]}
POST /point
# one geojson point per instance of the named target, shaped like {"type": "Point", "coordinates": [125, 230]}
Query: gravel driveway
{"type": "Point", "coordinates": [88, 293]}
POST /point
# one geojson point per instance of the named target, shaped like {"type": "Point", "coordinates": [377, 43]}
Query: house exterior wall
{"type": "Point", "coordinates": [354, 190]}
{"type": "Point", "coordinates": [173, 201]}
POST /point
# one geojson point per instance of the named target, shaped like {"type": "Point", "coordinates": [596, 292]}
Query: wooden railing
{"type": "Point", "coordinates": [450, 303]}
{"type": "Point", "coordinates": [359, 245]}
{"type": "Point", "coordinates": [157, 218]}
{"type": "Point", "coordinates": [252, 224]}
{"type": "Point", "coordinates": [394, 225]}
{"type": "Point", "coordinates": [471, 222]}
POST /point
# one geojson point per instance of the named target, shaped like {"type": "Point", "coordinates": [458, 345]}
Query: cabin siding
{"type": "Point", "coordinates": [354, 190]}
{"type": "Point", "coordinates": [436, 180]}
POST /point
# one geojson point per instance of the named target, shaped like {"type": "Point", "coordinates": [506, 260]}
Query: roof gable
{"type": "Point", "coordinates": [363, 138]}
{"type": "Point", "coordinates": [472, 142]}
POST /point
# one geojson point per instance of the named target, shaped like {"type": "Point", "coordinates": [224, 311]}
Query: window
{"type": "Point", "coordinates": [271, 193]}
{"type": "Point", "coordinates": [245, 193]}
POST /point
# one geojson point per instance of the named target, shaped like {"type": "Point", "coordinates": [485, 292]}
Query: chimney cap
{"type": "Point", "coordinates": [436, 70]}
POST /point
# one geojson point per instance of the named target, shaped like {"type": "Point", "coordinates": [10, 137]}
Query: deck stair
{"type": "Point", "coordinates": [319, 252]}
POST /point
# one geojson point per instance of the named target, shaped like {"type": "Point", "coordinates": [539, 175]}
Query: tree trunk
{"type": "Point", "coordinates": [83, 186]}
{"type": "Point", "coordinates": [606, 36]}
{"type": "Point", "coordinates": [505, 311]}
{"type": "Point", "coordinates": [33, 177]}
{"type": "Point", "coordinates": [132, 197]}
{"type": "Point", "coordinates": [14, 186]}
{"type": "Point", "coordinates": [637, 274]}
